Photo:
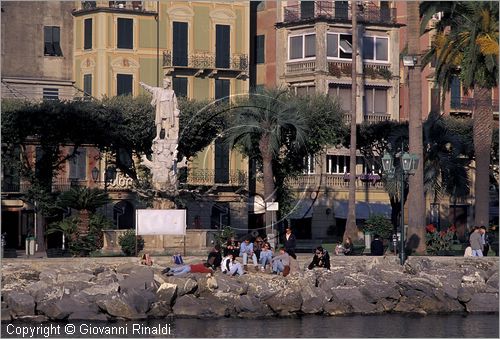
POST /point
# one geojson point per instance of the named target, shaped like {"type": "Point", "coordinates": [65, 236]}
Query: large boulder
{"type": "Point", "coordinates": [118, 305]}
{"type": "Point", "coordinates": [354, 298]}
{"type": "Point", "coordinates": [20, 304]}
{"type": "Point", "coordinates": [159, 309]}
{"type": "Point", "coordinates": [483, 303]}
{"type": "Point", "coordinates": [286, 302]}
{"type": "Point", "coordinates": [96, 290]}
{"type": "Point", "coordinates": [167, 293]}
{"type": "Point", "coordinates": [186, 285]}
{"type": "Point", "coordinates": [229, 284]}
{"type": "Point", "coordinates": [140, 300]}
{"type": "Point", "coordinates": [74, 277]}
{"type": "Point", "coordinates": [137, 280]}
{"type": "Point", "coordinates": [189, 305]}
{"type": "Point", "coordinates": [59, 309]}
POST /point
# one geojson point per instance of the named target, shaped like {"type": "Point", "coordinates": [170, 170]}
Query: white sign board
{"type": "Point", "coordinates": [161, 222]}
{"type": "Point", "coordinates": [272, 206]}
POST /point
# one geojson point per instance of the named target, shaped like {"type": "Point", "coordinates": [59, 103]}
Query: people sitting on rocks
{"type": "Point", "coordinates": [266, 255]}
{"type": "Point", "coordinates": [246, 250]}
{"type": "Point", "coordinates": [257, 247]}
{"type": "Point", "coordinates": [214, 258]}
{"type": "Point", "coordinates": [377, 246]}
{"type": "Point", "coordinates": [232, 246]}
{"type": "Point", "coordinates": [321, 259]}
{"type": "Point", "coordinates": [348, 247]}
{"type": "Point", "coordinates": [193, 268]}
{"type": "Point", "coordinates": [230, 266]}
{"type": "Point", "coordinates": [281, 263]}
{"type": "Point", "coordinates": [146, 260]}
{"type": "Point", "coordinates": [339, 249]}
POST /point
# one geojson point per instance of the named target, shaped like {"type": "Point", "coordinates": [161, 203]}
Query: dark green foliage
{"type": "Point", "coordinates": [83, 198]}
{"type": "Point", "coordinates": [224, 235]}
{"type": "Point", "coordinates": [378, 224]}
{"type": "Point", "coordinates": [127, 242]}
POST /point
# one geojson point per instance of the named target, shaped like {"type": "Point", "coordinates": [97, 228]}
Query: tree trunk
{"type": "Point", "coordinates": [267, 169]}
{"type": "Point", "coordinates": [83, 224]}
{"type": "Point", "coordinates": [351, 230]}
{"type": "Point", "coordinates": [416, 198]}
{"type": "Point", "coordinates": [482, 133]}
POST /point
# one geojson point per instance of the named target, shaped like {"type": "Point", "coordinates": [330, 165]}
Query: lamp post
{"type": "Point", "coordinates": [409, 164]}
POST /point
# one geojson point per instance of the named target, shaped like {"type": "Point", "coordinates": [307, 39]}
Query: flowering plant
{"type": "Point", "coordinates": [439, 241]}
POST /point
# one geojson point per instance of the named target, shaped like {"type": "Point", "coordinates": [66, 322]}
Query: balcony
{"type": "Point", "coordinates": [340, 68]}
{"type": "Point", "coordinates": [339, 11]}
{"type": "Point", "coordinates": [202, 64]}
{"type": "Point", "coordinates": [300, 67]}
{"type": "Point", "coordinates": [112, 6]}
{"type": "Point", "coordinates": [370, 118]}
{"type": "Point", "coordinates": [334, 181]}
{"type": "Point", "coordinates": [465, 106]}
{"type": "Point", "coordinates": [209, 177]}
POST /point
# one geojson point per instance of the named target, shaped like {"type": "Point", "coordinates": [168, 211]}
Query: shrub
{"type": "Point", "coordinates": [378, 224]}
{"type": "Point", "coordinates": [224, 235]}
{"type": "Point", "coordinates": [439, 241]}
{"type": "Point", "coordinates": [127, 242]}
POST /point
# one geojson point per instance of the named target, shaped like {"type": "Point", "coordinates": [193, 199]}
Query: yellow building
{"type": "Point", "coordinates": [202, 46]}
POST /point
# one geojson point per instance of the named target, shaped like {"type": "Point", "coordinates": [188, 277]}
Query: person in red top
{"type": "Point", "coordinates": [194, 268]}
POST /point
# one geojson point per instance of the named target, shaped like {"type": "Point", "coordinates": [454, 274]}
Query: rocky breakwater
{"type": "Point", "coordinates": [91, 290]}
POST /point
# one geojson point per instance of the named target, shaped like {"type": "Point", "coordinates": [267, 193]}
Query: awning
{"type": "Point", "coordinates": [363, 209]}
{"type": "Point", "coordinates": [301, 209]}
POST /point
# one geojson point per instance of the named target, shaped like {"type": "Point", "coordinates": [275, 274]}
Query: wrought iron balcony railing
{"type": "Point", "coordinates": [125, 6]}
{"type": "Point", "coordinates": [205, 60]}
{"type": "Point", "coordinates": [335, 181]}
{"type": "Point", "coordinates": [467, 104]}
{"type": "Point", "coordinates": [338, 10]}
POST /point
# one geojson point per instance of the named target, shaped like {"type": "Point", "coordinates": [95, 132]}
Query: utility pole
{"type": "Point", "coordinates": [351, 230]}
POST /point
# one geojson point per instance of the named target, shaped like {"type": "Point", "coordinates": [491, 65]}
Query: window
{"type": "Point", "coordinates": [306, 9]}
{"type": "Point", "coordinates": [78, 165]}
{"type": "Point", "coordinates": [302, 46]}
{"type": "Point", "coordinates": [305, 90]}
{"type": "Point", "coordinates": [309, 164]}
{"type": "Point", "coordinates": [339, 46]}
{"type": "Point", "coordinates": [343, 95]}
{"type": "Point", "coordinates": [260, 49]}
{"type": "Point", "coordinates": [455, 92]}
{"type": "Point", "coordinates": [52, 39]}
{"type": "Point", "coordinates": [180, 86]}
{"type": "Point", "coordinates": [341, 10]}
{"type": "Point", "coordinates": [337, 164]}
{"type": "Point", "coordinates": [222, 89]}
{"type": "Point", "coordinates": [375, 101]}
{"type": "Point", "coordinates": [124, 84]}
{"type": "Point", "coordinates": [51, 93]}
{"type": "Point", "coordinates": [87, 85]}
{"type": "Point", "coordinates": [376, 48]}
{"type": "Point", "coordinates": [125, 33]}
{"type": "Point", "coordinates": [87, 28]}
{"type": "Point", "coordinates": [180, 43]}
{"type": "Point", "coordinates": [222, 45]}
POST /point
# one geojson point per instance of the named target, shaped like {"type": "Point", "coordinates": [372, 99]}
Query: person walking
{"type": "Point", "coordinates": [475, 242]}
{"type": "Point", "coordinates": [290, 242]}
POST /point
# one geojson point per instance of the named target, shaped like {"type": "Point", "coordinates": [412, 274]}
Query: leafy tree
{"type": "Point", "coordinates": [128, 242]}
{"type": "Point", "coordinates": [466, 44]}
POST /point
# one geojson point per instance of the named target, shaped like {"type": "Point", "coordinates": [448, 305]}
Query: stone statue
{"type": "Point", "coordinates": [163, 165]}
{"type": "Point", "coordinates": [167, 111]}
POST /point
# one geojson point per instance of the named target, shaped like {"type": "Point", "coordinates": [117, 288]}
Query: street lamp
{"type": "Point", "coordinates": [95, 174]}
{"type": "Point", "coordinates": [109, 176]}
{"type": "Point", "coordinates": [409, 165]}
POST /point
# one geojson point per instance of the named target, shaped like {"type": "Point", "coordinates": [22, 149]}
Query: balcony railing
{"type": "Point", "coordinates": [370, 117]}
{"type": "Point", "coordinates": [206, 61]}
{"type": "Point", "coordinates": [210, 177]}
{"type": "Point", "coordinates": [125, 6]}
{"type": "Point", "coordinates": [338, 10]}
{"type": "Point", "coordinates": [300, 67]}
{"type": "Point", "coordinates": [335, 181]}
{"type": "Point", "coordinates": [467, 104]}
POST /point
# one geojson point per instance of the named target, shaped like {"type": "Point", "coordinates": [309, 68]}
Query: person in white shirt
{"type": "Point", "coordinates": [230, 266]}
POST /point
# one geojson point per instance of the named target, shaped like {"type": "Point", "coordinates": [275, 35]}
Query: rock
{"type": "Point", "coordinates": [493, 280]}
{"type": "Point", "coordinates": [70, 287]}
{"type": "Point", "coordinates": [59, 309]}
{"type": "Point", "coordinates": [159, 309]}
{"type": "Point", "coordinates": [40, 291]}
{"type": "Point", "coordinates": [229, 284]}
{"type": "Point", "coordinates": [102, 289]}
{"type": "Point", "coordinates": [464, 295]}
{"type": "Point", "coordinates": [380, 291]}
{"type": "Point", "coordinates": [20, 304]}
{"type": "Point", "coordinates": [142, 280]}
{"type": "Point", "coordinates": [355, 299]}
{"type": "Point", "coordinates": [263, 286]}
{"type": "Point", "coordinates": [189, 305]}
{"type": "Point", "coordinates": [118, 306]}
{"type": "Point", "coordinates": [32, 318]}
{"type": "Point", "coordinates": [483, 303]}
{"type": "Point", "coordinates": [336, 308]}
{"type": "Point", "coordinates": [134, 269]}
{"type": "Point", "coordinates": [313, 299]}
{"type": "Point", "coordinates": [6, 314]}
{"type": "Point", "coordinates": [140, 300]}
{"type": "Point", "coordinates": [108, 277]}
{"type": "Point", "coordinates": [409, 305]}
{"type": "Point", "coordinates": [74, 277]}
{"type": "Point", "coordinates": [167, 293]}
{"type": "Point", "coordinates": [184, 285]}
{"type": "Point", "coordinates": [86, 315]}
{"type": "Point", "coordinates": [285, 302]}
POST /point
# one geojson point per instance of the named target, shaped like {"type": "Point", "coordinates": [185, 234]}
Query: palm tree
{"type": "Point", "coordinates": [270, 120]}
{"type": "Point", "coordinates": [469, 48]}
{"type": "Point", "coordinates": [416, 198]}
{"type": "Point", "coordinates": [86, 201]}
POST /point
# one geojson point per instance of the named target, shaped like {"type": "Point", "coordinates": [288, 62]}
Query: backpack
{"type": "Point", "coordinates": [178, 259]}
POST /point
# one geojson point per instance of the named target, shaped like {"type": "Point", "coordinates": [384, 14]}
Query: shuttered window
{"type": "Point", "coordinates": [52, 41]}
{"type": "Point", "coordinates": [125, 33]}
{"type": "Point", "coordinates": [260, 49]}
{"type": "Point", "coordinates": [222, 89]}
{"type": "Point", "coordinates": [180, 86]}
{"type": "Point", "coordinates": [222, 46]}
{"type": "Point", "coordinates": [180, 43]}
{"type": "Point", "coordinates": [124, 84]}
{"type": "Point", "coordinates": [87, 85]}
{"type": "Point", "coordinates": [78, 165]}
{"type": "Point", "coordinates": [87, 40]}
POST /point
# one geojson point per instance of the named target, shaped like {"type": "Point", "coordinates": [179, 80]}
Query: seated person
{"type": "Point", "coordinates": [348, 248]}
{"type": "Point", "coordinates": [377, 246]}
{"type": "Point", "coordinates": [232, 246]}
{"type": "Point", "coordinates": [194, 268]}
{"type": "Point", "coordinates": [339, 249]}
{"type": "Point", "coordinates": [246, 250]}
{"type": "Point", "coordinates": [146, 260]}
{"type": "Point", "coordinates": [321, 259]}
{"type": "Point", "coordinates": [214, 258]}
{"type": "Point", "coordinates": [281, 263]}
{"type": "Point", "coordinates": [230, 266]}
{"type": "Point", "coordinates": [266, 255]}
{"type": "Point", "coordinates": [257, 247]}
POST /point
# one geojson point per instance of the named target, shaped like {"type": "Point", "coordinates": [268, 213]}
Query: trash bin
{"type": "Point", "coordinates": [30, 246]}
